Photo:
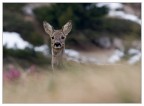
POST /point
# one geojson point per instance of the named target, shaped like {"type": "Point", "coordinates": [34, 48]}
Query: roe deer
{"type": "Point", "coordinates": [57, 42]}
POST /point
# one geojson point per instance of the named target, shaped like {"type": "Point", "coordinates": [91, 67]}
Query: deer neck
{"type": "Point", "coordinates": [57, 52]}
{"type": "Point", "coordinates": [57, 57]}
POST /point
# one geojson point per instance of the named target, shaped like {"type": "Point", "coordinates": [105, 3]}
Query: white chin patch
{"type": "Point", "coordinates": [57, 47]}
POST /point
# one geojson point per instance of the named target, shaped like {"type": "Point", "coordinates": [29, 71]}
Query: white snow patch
{"type": "Point", "coordinates": [114, 59]}
{"type": "Point", "coordinates": [123, 15]}
{"type": "Point", "coordinates": [136, 55]}
{"type": "Point", "coordinates": [133, 51]}
{"type": "Point", "coordinates": [116, 56]}
{"type": "Point", "coordinates": [72, 53]}
{"type": "Point", "coordinates": [28, 9]}
{"type": "Point", "coordinates": [112, 6]}
{"type": "Point", "coordinates": [119, 14]}
{"type": "Point", "coordinates": [134, 59]}
{"type": "Point", "coordinates": [13, 40]}
{"type": "Point", "coordinates": [43, 48]}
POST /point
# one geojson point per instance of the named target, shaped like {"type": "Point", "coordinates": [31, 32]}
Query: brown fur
{"type": "Point", "coordinates": [58, 38]}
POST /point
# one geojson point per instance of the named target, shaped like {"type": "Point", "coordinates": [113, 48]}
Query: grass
{"type": "Point", "coordinates": [78, 83]}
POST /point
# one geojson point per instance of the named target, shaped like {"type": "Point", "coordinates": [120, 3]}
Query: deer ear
{"type": "Point", "coordinates": [48, 28]}
{"type": "Point", "coordinates": [67, 27]}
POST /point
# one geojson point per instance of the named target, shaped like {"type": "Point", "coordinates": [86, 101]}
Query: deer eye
{"type": "Point", "coordinates": [52, 37]}
{"type": "Point", "coordinates": [62, 37]}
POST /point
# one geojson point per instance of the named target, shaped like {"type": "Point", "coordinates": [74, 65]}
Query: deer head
{"type": "Point", "coordinates": [58, 36]}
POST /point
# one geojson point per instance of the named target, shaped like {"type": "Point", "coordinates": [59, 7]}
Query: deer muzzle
{"type": "Point", "coordinates": [57, 45]}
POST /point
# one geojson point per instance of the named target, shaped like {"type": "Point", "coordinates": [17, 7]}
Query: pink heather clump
{"type": "Point", "coordinates": [32, 69]}
{"type": "Point", "coordinates": [12, 74]}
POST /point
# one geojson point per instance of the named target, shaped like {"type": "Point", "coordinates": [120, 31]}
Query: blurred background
{"type": "Point", "coordinates": [104, 45]}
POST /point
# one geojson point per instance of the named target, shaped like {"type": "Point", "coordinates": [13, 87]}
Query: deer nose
{"type": "Point", "coordinates": [57, 44]}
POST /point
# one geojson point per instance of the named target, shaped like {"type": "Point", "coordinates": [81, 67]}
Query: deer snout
{"type": "Point", "coordinates": [57, 44]}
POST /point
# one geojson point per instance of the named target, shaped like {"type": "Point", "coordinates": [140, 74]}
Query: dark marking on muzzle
{"type": "Point", "coordinates": [57, 44]}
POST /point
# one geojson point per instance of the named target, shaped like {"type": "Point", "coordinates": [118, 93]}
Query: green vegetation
{"type": "Point", "coordinates": [89, 23]}
{"type": "Point", "coordinates": [28, 54]}
{"type": "Point", "coordinates": [14, 21]}
{"type": "Point", "coordinates": [13, 7]}
{"type": "Point", "coordinates": [83, 15]}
